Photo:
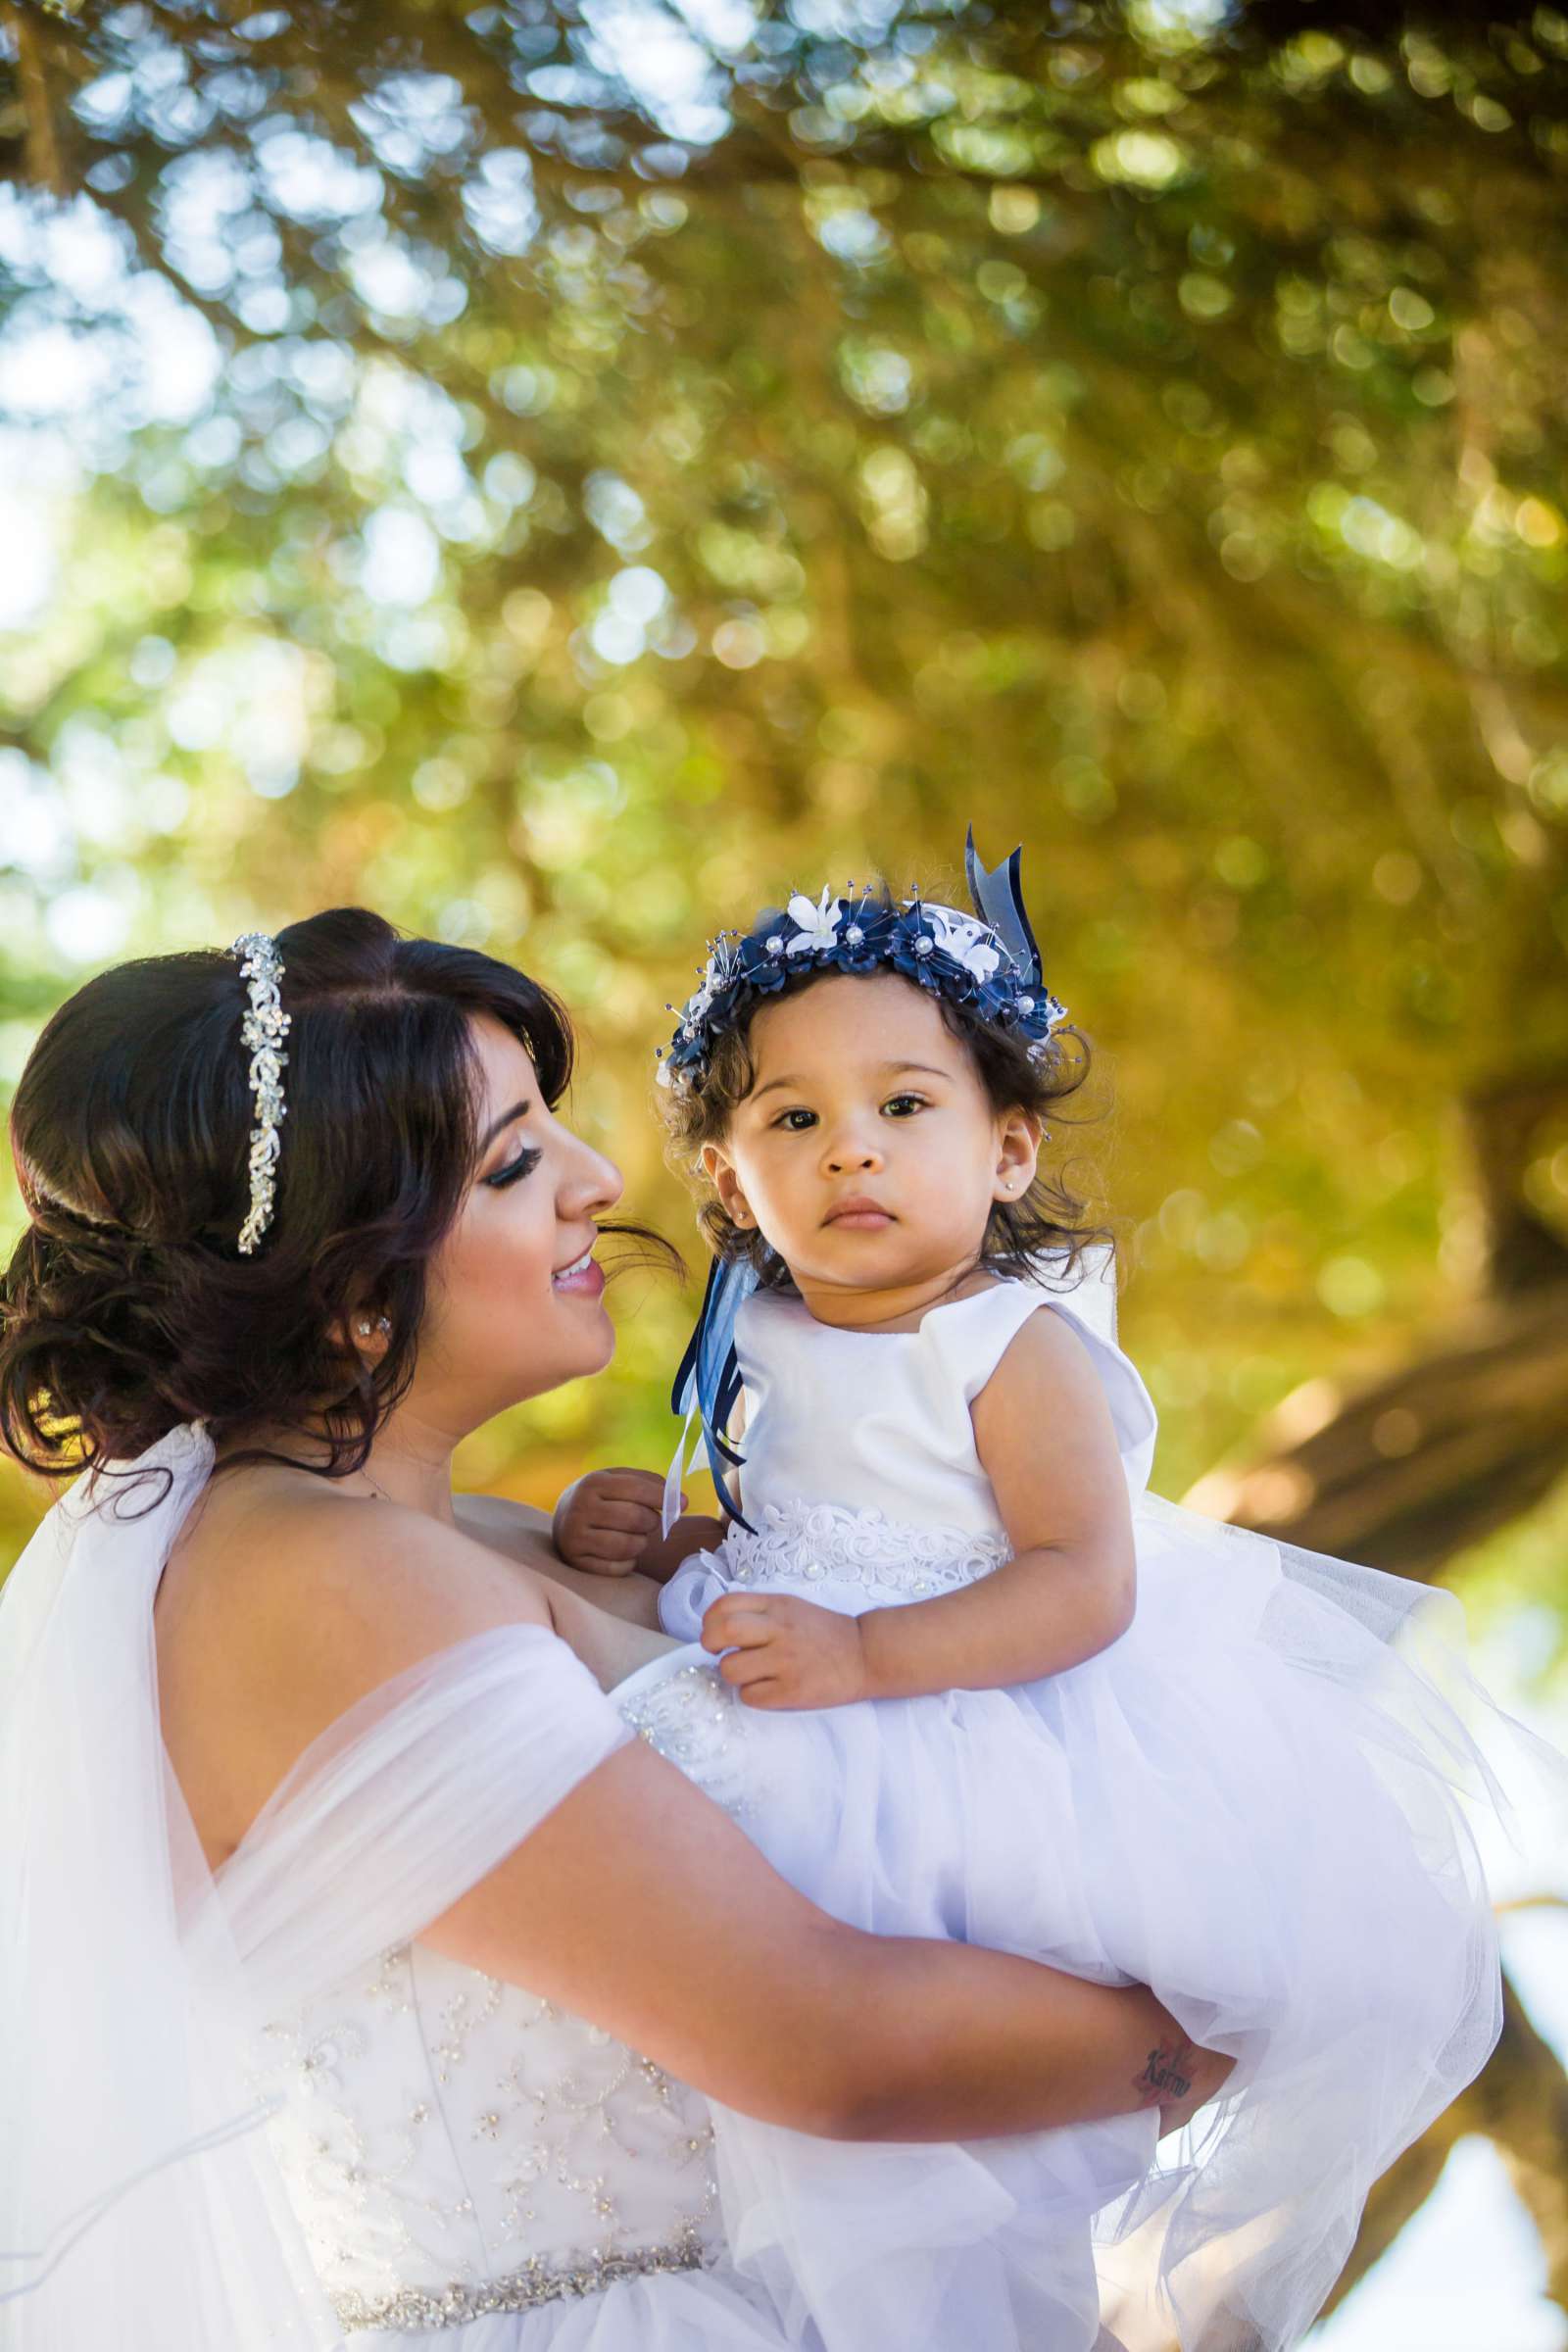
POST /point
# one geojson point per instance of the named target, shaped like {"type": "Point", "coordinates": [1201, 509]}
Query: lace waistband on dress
{"type": "Point", "coordinates": [813, 1542]}
{"type": "Point", "coordinates": [538, 2281]}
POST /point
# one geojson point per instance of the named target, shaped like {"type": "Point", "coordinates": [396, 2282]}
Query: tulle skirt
{"type": "Point", "coordinates": [1258, 1801]}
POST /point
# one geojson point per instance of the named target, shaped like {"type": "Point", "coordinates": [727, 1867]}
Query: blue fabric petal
{"type": "Point", "coordinates": [998, 898]}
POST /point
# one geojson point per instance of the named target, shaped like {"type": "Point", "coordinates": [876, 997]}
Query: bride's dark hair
{"type": "Point", "coordinates": [127, 1307]}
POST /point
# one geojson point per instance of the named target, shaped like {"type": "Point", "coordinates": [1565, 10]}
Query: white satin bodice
{"type": "Point", "coordinates": [881, 1420]}
{"type": "Point", "coordinates": [861, 1478]}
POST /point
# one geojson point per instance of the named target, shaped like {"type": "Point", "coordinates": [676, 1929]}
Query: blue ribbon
{"type": "Point", "coordinates": [709, 1380]}
{"type": "Point", "coordinates": [998, 899]}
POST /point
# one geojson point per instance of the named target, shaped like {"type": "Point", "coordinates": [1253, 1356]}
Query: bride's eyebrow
{"type": "Point", "coordinates": [506, 1116]}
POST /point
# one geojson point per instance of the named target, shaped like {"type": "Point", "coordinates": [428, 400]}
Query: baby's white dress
{"type": "Point", "coordinates": [1254, 1801]}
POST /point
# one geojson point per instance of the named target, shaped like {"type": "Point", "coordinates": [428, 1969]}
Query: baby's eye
{"type": "Point", "coordinates": [914, 1101]}
{"type": "Point", "coordinates": [809, 1116]}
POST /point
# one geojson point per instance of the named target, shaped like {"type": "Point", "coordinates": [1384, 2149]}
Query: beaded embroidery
{"type": "Point", "coordinates": [263, 1029]}
{"type": "Point", "coordinates": [439, 2123]}
{"type": "Point", "coordinates": [701, 1724]}
{"type": "Point", "coordinates": [538, 2281]}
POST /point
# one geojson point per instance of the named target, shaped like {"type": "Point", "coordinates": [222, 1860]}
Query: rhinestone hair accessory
{"type": "Point", "coordinates": [263, 1029]}
{"type": "Point", "coordinates": [988, 959]}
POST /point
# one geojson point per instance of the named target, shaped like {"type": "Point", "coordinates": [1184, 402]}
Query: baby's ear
{"type": "Point", "coordinates": [720, 1173]}
{"type": "Point", "coordinates": [1018, 1151]}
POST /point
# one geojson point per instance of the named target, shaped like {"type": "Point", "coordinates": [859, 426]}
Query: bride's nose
{"type": "Point", "coordinates": [592, 1182]}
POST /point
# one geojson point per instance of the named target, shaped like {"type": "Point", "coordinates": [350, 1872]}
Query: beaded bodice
{"type": "Point", "coordinates": [455, 2145]}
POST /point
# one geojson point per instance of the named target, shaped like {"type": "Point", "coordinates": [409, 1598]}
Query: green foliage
{"type": "Point", "coordinates": [564, 495]}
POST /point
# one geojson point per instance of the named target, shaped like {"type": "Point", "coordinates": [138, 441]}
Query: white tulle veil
{"type": "Point", "coordinates": [140, 2205]}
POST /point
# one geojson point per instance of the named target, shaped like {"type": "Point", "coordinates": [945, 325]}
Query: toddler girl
{"type": "Point", "coordinates": [1034, 1706]}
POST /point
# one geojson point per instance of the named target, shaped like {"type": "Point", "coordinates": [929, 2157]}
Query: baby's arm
{"type": "Point", "coordinates": [1045, 1436]}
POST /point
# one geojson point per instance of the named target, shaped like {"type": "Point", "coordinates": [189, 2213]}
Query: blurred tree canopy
{"type": "Point", "coordinates": [566, 474]}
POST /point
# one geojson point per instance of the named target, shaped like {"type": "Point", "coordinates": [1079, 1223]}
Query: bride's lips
{"type": "Point", "coordinates": [858, 1210]}
{"type": "Point", "coordinates": [582, 1279]}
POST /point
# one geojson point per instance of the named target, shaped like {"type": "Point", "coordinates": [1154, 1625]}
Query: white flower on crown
{"type": "Point", "coordinates": [717, 976]}
{"type": "Point", "coordinates": [967, 942]}
{"type": "Point", "coordinates": [818, 923]}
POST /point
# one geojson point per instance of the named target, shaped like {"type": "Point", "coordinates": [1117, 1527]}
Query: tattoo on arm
{"type": "Point", "coordinates": [1163, 2073]}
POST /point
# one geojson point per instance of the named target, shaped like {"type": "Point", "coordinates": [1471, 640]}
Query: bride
{"type": "Point", "coordinates": [384, 1956]}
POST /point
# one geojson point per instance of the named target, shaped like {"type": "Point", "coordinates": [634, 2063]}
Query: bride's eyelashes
{"type": "Point", "coordinates": [527, 1160]}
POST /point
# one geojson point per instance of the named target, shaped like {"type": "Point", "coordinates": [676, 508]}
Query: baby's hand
{"type": "Point", "coordinates": [785, 1651]}
{"type": "Point", "coordinates": [606, 1519]}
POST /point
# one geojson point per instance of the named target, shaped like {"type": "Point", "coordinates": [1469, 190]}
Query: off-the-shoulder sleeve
{"type": "Point", "coordinates": [407, 1801]}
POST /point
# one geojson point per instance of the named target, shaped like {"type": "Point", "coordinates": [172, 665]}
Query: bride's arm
{"type": "Point", "coordinates": [639, 1904]}
{"type": "Point", "coordinates": [521, 1533]}
{"type": "Point", "coordinates": [612, 1622]}
{"type": "Point", "coordinates": [609, 1646]}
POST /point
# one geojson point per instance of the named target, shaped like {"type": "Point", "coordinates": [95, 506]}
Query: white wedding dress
{"type": "Point", "coordinates": [252, 2110]}
{"type": "Point", "coordinates": [249, 2109]}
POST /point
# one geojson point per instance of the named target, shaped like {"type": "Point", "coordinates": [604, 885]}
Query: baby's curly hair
{"type": "Point", "coordinates": [1046, 1222]}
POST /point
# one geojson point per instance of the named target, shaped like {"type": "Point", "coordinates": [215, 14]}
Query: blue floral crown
{"type": "Point", "coordinates": [988, 960]}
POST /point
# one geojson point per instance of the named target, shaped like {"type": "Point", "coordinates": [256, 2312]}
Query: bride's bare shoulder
{"type": "Point", "coordinates": [280, 1607]}
{"type": "Point", "coordinates": [269, 1544]}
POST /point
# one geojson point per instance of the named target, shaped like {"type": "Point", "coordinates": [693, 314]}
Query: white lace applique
{"type": "Point", "coordinates": [805, 1544]}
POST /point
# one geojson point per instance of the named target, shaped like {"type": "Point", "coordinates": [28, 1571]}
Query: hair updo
{"type": "Point", "coordinates": [127, 1307]}
{"type": "Point", "coordinates": [1044, 1222]}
